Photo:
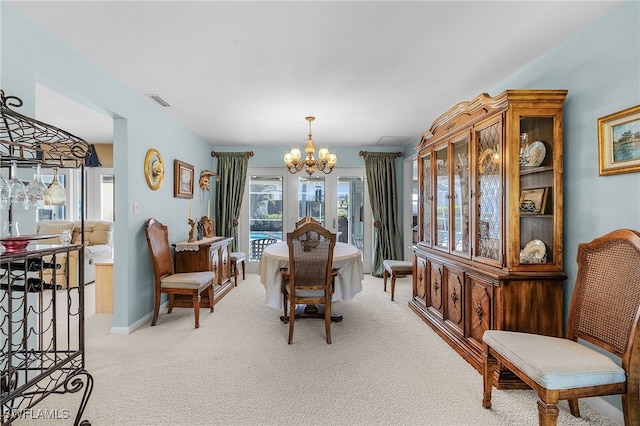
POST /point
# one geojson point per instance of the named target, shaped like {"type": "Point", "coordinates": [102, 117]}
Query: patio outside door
{"type": "Point", "coordinates": [278, 199]}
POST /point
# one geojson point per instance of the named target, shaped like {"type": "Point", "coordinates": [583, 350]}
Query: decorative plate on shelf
{"type": "Point", "coordinates": [535, 154]}
{"type": "Point", "coordinates": [535, 251]}
{"type": "Point", "coordinates": [20, 242]}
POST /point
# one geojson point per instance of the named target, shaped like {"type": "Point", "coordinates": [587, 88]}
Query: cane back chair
{"type": "Point", "coordinates": [604, 312]}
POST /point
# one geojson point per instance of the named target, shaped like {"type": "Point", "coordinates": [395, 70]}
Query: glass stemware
{"type": "Point", "coordinates": [17, 189]}
{"type": "Point", "coordinates": [5, 193]}
{"type": "Point", "coordinates": [36, 189]}
{"type": "Point", "coordinates": [55, 195]}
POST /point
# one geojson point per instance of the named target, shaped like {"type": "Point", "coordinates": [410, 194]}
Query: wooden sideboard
{"type": "Point", "coordinates": [209, 254]}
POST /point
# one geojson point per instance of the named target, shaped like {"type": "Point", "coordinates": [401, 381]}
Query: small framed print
{"type": "Point", "coordinates": [182, 179]}
{"type": "Point", "coordinates": [533, 201]}
{"type": "Point", "coordinates": [619, 142]}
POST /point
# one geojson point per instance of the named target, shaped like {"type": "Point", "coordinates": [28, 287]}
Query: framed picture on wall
{"type": "Point", "coordinates": [182, 179]}
{"type": "Point", "coordinates": [619, 142]}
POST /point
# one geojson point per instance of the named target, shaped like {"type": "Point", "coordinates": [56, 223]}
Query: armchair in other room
{"type": "Point", "coordinates": [98, 239]}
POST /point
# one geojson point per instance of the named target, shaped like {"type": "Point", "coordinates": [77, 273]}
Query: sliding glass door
{"type": "Point", "coordinates": [275, 200]}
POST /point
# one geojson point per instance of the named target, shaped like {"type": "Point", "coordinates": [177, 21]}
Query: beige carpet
{"type": "Point", "coordinates": [385, 367]}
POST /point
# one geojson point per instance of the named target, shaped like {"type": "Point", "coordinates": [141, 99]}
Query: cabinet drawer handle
{"type": "Point", "coordinates": [479, 312]}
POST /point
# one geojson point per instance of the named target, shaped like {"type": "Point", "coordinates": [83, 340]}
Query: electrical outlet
{"type": "Point", "coordinates": [136, 208]}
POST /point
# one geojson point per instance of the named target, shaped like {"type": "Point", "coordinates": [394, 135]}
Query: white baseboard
{"type": "Point", "coordinates": [605, 408]}
{"type": "Point", "coordinates": [133, 327]}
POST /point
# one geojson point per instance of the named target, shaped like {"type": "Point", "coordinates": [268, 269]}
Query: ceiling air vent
{"type": "Point", "coordinates": [157, 99]}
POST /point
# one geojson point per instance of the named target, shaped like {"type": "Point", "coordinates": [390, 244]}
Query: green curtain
{"type": "Point", "coordinates": [232, 174]}
{"type": "Point", "coordinates": [383, 197]}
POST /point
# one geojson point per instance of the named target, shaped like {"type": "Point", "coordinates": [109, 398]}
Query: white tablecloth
{"type": "Point", "coordinates": [346, 259]}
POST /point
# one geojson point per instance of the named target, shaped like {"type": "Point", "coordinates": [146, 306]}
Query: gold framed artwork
{"type": "Point", "coordinates": [182, 179]}
{"type": "Point", "coordinates": [533, 201]}
{"type": "Point", "coordinates": [619, 142]}
{"type": "Point", "coordinates": [153, 169]}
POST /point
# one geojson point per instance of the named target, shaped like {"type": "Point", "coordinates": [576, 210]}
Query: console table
{"type": "Point", "coordinates": [208, 254]}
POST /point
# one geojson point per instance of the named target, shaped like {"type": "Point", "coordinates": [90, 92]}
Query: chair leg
{"type": "Point", "coordinates": [327, 320]}
{"type": "Point", "coordinates": [574, 409]}
{"type": "Point", "coordinates": [630, 408]}
{"type": "Point", "coordinates": [243, 270]}
{"type": "Point", "coordinates": [156, 308]}
{"type": "Point", "coordinates": [234, 266]}
{"type": "Point", "coordinates": [393, 285]}
{"type": "Point", "coordinates": [385, 275]}
{"type": "Point", "coordinates": [547, 413]}
{"type": "Point", "coordinates": [171, 300]}
{"type": "Point", "coordinates": [235, 275]}
{"type": "Point", "coordinates": [285, 306]}
{"type": "Point", "coordinates": [211, 295]}
{"type": "Point", "coordinates": [292, 318]}
{"type": "Point", "coordinates": [196, 307]}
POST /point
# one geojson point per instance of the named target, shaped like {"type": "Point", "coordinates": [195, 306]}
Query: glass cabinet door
{"type": "Point", "coordinates": [537, 190]}
{"type": "Point", "coordinates": [460, 197]}
{"type": "Point", "coordinates": [441, 239]}
{"type": "Point", "coordinates": [488, 226]}
{"type": "Point", "coordinates": [427, 199]}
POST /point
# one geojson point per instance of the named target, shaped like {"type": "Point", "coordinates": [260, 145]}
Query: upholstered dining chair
{"type": "Point", "coordinates": [604, 312]}
{"type": "Point", "coordinates": [237, 258]}
{"type": "Point", "coordinates": [309, 277]}
{"type": "Point", "coordinates": [165, 278]}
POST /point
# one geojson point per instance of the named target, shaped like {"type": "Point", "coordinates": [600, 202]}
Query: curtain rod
{"type": "Point", "coordinates": [364, 153]}
{"type": "Point", "coordinates": [247, 154]}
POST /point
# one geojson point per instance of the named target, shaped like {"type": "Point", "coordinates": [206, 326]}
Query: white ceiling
{"type": "Point", "coordinates": [247, 73]}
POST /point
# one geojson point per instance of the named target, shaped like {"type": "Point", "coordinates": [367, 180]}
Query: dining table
{"type": "Point", "coordinates": [347, 260]}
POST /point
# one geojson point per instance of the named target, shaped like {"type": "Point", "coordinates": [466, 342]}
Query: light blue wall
{"type": "Point", "coordinates": [600, 67]}
{"type": "Point", "coordinates": [31, 55]}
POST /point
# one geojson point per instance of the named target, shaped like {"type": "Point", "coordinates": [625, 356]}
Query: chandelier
{"type": "Point", "coordinates": [326, 160]}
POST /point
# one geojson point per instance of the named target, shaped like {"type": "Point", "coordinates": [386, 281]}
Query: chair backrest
{"type": "Point", "coordinates": [159, 249]}
{"type": "Point", "coordinates": [257, 246]}
{"type": "Point", "coordinates": [304, 220]}
{"type": "Point", "coordinates": [310, 255]}
{"type": "Point", "coordinates": [606, 299]}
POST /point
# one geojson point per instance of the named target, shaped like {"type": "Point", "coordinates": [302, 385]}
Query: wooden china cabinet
{"type": "Point", "coordinates": [489, 255]}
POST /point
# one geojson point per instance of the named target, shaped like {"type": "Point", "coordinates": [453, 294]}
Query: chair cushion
{"type": "Point", "coordinates": [553, 362]}
{"type": "Point", "coordinates": [306, 293]}
{"type": "Point", "coordinates": [190, 280]}
{"type": "Point", "coordinates": [237, 256]}
{"type": "Point", "coordinates": [398, 266]}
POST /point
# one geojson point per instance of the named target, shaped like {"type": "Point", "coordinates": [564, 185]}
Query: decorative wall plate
{"type": "Point", "coordinates": [153, 169]}
{"type": "Point", "coordinates": [535, 251]}
{"type": "Point", "coordinates": [535, 154]}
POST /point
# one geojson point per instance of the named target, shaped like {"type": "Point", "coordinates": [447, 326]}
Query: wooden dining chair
{"type": "Point", "coordinates": [165, 278]}
{"type": "Point", "coordinates": [306, 219]}
{"type": "Point", "coordinates": [604, 312]}
{"type": "Point", "coordinates": [309, 277]}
